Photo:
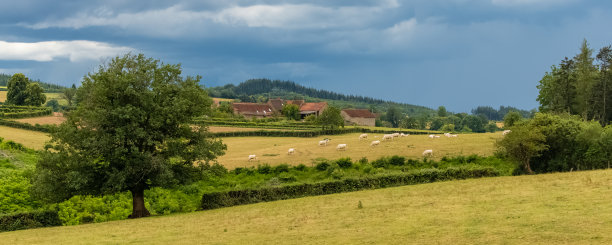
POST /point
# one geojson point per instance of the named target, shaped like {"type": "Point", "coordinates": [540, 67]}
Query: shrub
{"type": "Point", "coordinates": [27, 220]}
{"type": "Point", "coordinates": [300, 167]}
{"type": "Point", "coordinates": [264, 169]}
{"type": "Point", "coordinates": [281, 168]}
{"type": "Point", "coordinates": [322, 166]}
{"type": "Point", "coordinates": [287, 177]}
{"type": "Point", "coordinates": [344, 162]}
{"type": "Point", "coordinates": [397, 160]}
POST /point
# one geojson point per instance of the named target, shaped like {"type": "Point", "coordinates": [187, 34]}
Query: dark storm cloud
{"type": "Point", "coordinates": [458, 53]}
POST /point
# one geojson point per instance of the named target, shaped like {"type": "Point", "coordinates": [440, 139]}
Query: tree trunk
{"type": "Point", "coordinates": [528, 167]}
{"type": "Point", "coordinates": [138, 206]}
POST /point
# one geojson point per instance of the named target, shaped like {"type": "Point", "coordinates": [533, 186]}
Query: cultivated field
{"type": "Point", "coordinates": [273, 150]}
{"type": "Point", "coordinates": [561, 208]}
{"type": "Point", "coordinates": [3, 96]}
{"type": "Point", "coordinates": [31, 139]}
{"type": "Point", "coordinates": [56, 119]}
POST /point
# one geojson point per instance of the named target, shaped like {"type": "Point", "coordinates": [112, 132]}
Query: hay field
{"type": "Point", "coordinates": [31, 139]}
{"type": "Point", "coordinates": [55, 119]}
{"type": "Point", "coordinates": [3, 96]}
{"type": "Point", "coordinates": [273, 150]}
{"type": "Point", "coordinates": [562, 208]}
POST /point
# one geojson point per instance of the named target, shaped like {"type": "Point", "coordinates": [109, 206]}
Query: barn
{"type": "Point", "coordinates": [361, 117]}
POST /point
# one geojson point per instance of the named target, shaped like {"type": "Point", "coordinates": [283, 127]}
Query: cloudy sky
{"type": "Point", "coordinates": [456, 53]}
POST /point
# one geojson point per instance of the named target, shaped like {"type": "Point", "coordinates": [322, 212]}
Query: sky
{"type": "Point", "coordinates": [456, 53]}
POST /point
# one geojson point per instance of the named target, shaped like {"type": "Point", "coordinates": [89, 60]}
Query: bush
{"type": "Point", "coordinates": [264, 169]}
{"type": "Point", "coordinates": [301, 167]}
{"type": "Point", "coordinates": [27, 220]}
{"type": "Point", "coordinates": [322, 166]}
{"type": "Point", "coordinates": [344, 162]}
{"type": "Point", "coordinates": [238, 197]}
{"type": "Point", "coordinates": [281, 168]}
{"type": "Point", "coordinates": [397, 160]}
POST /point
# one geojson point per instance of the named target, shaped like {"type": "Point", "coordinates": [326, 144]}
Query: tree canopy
{"type": "Point", "coordinates": [331, 118]}
{"type": "Point", "coordinates": [23, 92]}
{"type": "Point", "coordinates": [132, 129]}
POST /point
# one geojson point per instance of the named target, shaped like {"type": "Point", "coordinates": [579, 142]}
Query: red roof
{"type": "Point", "coordinates": [313, 106]}
{"type": "Point", "coordinates": [276, 104]}
{"type": "Point", "coordinates": [295, 102]}
{"type": "Point", "coordinates": [359, 113]}
{"type": "Point", "coordinates": [253, 109]}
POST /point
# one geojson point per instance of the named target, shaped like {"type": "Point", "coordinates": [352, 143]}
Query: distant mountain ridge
{"type": "Point", "coordinates": [259, 90]}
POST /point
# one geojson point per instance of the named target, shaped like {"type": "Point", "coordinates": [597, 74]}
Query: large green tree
{"type": "Point", "coordinates": [331, 118]}
{"type": "Point", "coordinates": [132, 129]}
{"type": "Point", "coordinates": [586, 76]}
{"type": "Point", "coordinates": [523, 143]}
{"type": "Point", "coordinates": [394, 116]}
{"type": "Point", "coordinates": [23, 92]}
{"type": "Point", "coordinates": [291, 111]}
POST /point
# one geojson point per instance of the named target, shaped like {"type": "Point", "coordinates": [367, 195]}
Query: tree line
{"type": "Point", "coordinates": [48, 87]}
{"type": "Point", "coordinates": [579, 86]}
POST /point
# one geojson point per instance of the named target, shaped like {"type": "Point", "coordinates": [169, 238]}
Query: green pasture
{"type": "Point", "coordinates": [562, 208]}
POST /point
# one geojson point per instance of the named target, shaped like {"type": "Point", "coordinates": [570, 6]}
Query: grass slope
{"type": "Point", "coordinates": [550, 208]}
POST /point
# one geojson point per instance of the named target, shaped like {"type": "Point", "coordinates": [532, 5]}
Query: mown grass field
{"type": "Point", "coordinates": [55, 119]}
{"type": "Point", "coordinates": [561, 208]}
{"type": "Point", "coordinates": [31, 139]}
{"type": "Point", "coordinates": [273, 150]}
{"type": "Point", "coordinates": [3, 96]}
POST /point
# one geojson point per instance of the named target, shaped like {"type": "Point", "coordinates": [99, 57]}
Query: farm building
{"type": "Point", "coordinates": [315, 108]}
{"type": "Point", "coordinates": [361, 117]}
{"type": "Point", "coordinates": [250, 110]}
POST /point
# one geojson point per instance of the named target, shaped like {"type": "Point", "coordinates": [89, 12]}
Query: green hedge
{"type": "Point", "coordinates": [28, 220]}
{"type": "Point", "coordinates": [238, 197]}
{"type": "Point", "coordinates": [12, 111]}
{"type": "Point", "coordinates": [37, 127]}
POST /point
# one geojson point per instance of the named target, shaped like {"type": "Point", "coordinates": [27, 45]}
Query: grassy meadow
{"type": "Point", "coordinates": [55, 119]}
{"type": "Point", "coordinates": [538, 209]}
{"type": "Point", "coordinates": [30, 139]}
{"type": "Point", "coordinates": [3, 96]}
{"type": "Point", "coordinates": [273, 150]}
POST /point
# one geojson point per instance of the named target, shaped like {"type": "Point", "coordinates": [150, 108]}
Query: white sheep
{"type": "Point", "coordinates": [428, 153]}
{"type": "Point", "coordinates": [291, 151]}
{"type": "Point", "coordinates": [506, 132]}
{"type": "Point", "coordinates": [252, 157]}
{"type": "Point", "coordinates": [447, 135]}
{"type": "Point", "coordinates": [387, 137]}
{"type": "Point", "coordinates": [363, 136]}
{"type": "Point", "coordinates": [437, 136]}
{"type": "Point", "coordinates": [341, 147]}
{"type": "Point", "coordinates": [453, 135]}
{"type": "Point", "coordinates": [431, 136]}
{"type": "Point", "coordinates": [395, 135]}
{"type": "Point", "coordinates": [404, 135]}
{"type": "Point", "coordinates": [323, 142]}
{"type": "Point", "coordinates": [375, 143]}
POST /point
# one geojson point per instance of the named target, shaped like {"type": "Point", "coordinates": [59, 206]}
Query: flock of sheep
{"type": "Point", "coordinates": [386, 137]}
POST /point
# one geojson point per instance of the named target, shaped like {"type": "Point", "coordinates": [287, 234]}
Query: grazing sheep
{"type": "Point", "coordinates": [404, 135]}
{"type": "Point", "coordinates": [363, 136]}
{"type": "Point", "coordinates": [453, 135]}
{"type": "Point", "coordinates": [506, 132]}
{"type": "Point", "coordinates": [291, 151]}
{"type": "Point", "coordinates": [387, 137]}
{"type": "Point", "coordinates": [323, 142]}
{"type": "Point", "coordinates": [428, 153]}
{"type": "Point", "coordinates": [395, 135]}
{"type": "Point", "coordinates": [252, 157]}
{"type": "Point", "coordinates": [431, 136]}
{"type": "Point", "coordinates": [341, 147]}
{"type": "Point", "coordinates": [375, 143]}
{"type": "Point", "coordinates": [447, 135]}
{"type": "Point", "coordinates": [437, 136]}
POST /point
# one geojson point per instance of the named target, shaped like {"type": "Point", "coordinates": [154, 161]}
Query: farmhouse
{"type": "Point", "coordinates": [251, 110]}
{"type": "Point", "coordinates": [361, 117]}
{"type": "Point", "coordinates": [316, 109]}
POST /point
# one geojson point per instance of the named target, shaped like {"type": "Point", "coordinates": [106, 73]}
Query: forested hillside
{"type": "Point", "coordinates": [259, 90]}
{"type": "Point", "coordinates": [48, 87]}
